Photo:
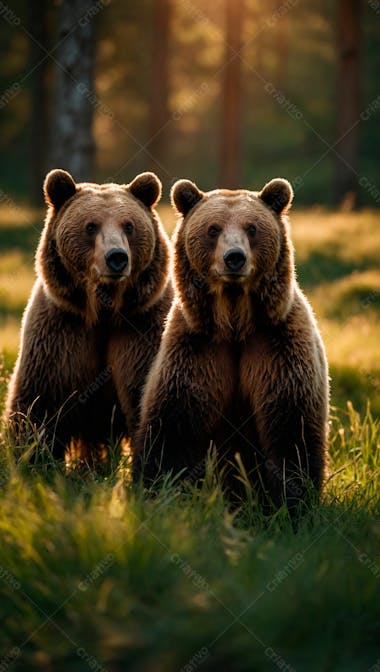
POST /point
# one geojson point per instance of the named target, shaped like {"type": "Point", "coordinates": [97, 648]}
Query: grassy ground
{"type": "Point", "coordinates": [94, 576]}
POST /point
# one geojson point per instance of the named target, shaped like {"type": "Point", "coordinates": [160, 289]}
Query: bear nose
{"type": "Point", "coordinates": [116, 259]}
{"type": "Point", "coordinates": [234, 259]}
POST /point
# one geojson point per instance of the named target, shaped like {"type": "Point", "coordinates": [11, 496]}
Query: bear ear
{"type": "Point", "coordinates": [59, 186]}
{"type": "Point", "coordinates": [184, 195]}
{"type": "Point", "coordinates": [278, 194]}
{"type": "Point", "coordinates": [147, 188]}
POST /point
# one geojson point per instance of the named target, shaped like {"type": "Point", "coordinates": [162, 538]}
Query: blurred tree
{"type": "Point", "coordinates": [290, 114]}
{"type": "Point", "coordinates": [14, 102]}
{"type": "Point", "coordinates": [231, 96]}
{"type": "Point", "coordinates": [348, 103]}
{"type": "Point", "coordinates": [74, 100]}
{"type": "Point", "coordinates": [159, 84]}
{"type": "Point", "coordinates": [39, 66]}
{"type": "Point", "coordinates": [254, 25]}
{"type": "Point", "coordinates": [282, 44]}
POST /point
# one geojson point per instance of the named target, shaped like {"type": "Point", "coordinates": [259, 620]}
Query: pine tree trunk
{"type": "Point", "coordinates": [231, 97]}
{"type": "Point", "coordinates": [348, 103]}
{"type": "Point", "coordinates": [39, 67]}
{"type": "Point", "coordinates": [282, 46]}
{"type": "Point", "coordinates": [159, 85]}
{"type": "Point", "coordinates": [74, 98]}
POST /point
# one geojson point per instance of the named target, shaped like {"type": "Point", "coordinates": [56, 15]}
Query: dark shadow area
{"type": "Point", "coordinates": [357, 386]}
{"type": "Point", "coordinates": [354, 301]}
{"type": "Point", "coordinates": [12, 311]}
{"type": "Point", "coordinates": [24, 238]}
{"type": "Point", "coordinates": [321, 267]}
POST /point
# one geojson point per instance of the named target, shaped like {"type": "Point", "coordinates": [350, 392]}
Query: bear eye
{"type": "Point", "coordinates": [128, 227]}
{"type": "Point", "coordinates": [91, 228]}
{"type": "Point", "coordinates": [251, 230]}
{"type": "Point", "coordinates": [213, 231]}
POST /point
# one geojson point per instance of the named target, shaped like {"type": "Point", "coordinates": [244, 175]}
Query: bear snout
{"type": "Point", "coordinates": [235, 259]}
{"type": "Point", "coordinates": [116, 259]}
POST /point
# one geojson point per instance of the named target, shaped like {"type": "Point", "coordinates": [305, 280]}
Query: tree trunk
{"type": "Point", "coordinates": [348, 102]}
{"type": "Point", "coordinates": [231, 97]}
{"type": "Point", "coordinates": [74, 99]}
{"type": "Point", "coordinates": [159, 86]}
{"type": "Point", "coordinates": [39, 67]}
{"type": "Point", "coordinates": [282, 44]}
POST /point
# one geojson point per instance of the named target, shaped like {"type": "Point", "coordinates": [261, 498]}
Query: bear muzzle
{"type": "Point", "coordinates": [234, 260]}
{"type": "Point", "coordinates": [234, 266]}
{"type": "Point", "coordinates": [116, 260]}
{"type": "Point", "coordinates": [114, 265]}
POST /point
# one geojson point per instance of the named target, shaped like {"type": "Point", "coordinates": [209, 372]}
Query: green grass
{"type": "Point", "coordinates": [94, 575]}
{"type": "Point", "coordinates": [93, 572]}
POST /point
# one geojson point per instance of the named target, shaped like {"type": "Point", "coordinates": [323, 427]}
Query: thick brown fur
{"type": "Point", "coordinates": [89, 334]}
{"type": "Point", "coordinates": [241, 362]}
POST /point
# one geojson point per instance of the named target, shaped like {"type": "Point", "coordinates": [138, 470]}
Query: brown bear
{"type": "Point", "coordinates": [241, 364]}
{"type": "Point", "coordinates": [95, 316]}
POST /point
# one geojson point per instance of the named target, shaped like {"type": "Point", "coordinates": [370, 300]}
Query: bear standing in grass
{"type": "Point", "coordinates": [95, 317]}
{"type": "Point", "coordinates": [241, 362]}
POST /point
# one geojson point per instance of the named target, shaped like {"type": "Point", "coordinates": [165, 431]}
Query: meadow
{"type": "Point", "coordinates": [95, 575]}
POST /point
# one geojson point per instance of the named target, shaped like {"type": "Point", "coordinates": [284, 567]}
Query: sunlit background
{"type": "Point", "coordinates": [228, 93]}
{"type": "Point", "coordinates": [94, 574]}
{"type": "Point", "coordinates": [190, 87]}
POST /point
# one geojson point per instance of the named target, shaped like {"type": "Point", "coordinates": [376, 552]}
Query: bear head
{"type": "Point", "coordinates": [101, 243]}
{"type": "Point", "coordinates": [233, 243]}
